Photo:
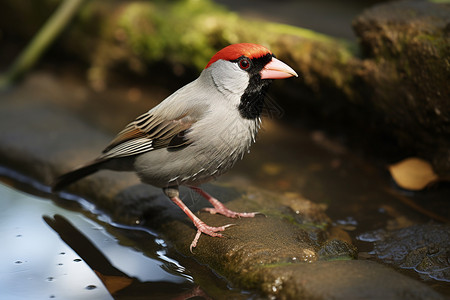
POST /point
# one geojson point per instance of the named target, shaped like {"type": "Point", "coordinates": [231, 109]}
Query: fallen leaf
{"type": "Point", "coordinates": [413, 173]}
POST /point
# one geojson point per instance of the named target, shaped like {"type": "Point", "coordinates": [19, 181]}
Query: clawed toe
{"type": "Point", "coordinates": [229, 213]}
{"type": "Point", "coordinates": [209, 230]}
{"type": "Point", "coordinates": [218, 208]}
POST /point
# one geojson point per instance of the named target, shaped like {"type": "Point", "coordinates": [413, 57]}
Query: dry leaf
{"type": "Point", "coordinates": [413, 173]}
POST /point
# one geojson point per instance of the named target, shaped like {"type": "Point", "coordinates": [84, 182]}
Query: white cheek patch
{"type": "Point", "coordinates": [229, 78]}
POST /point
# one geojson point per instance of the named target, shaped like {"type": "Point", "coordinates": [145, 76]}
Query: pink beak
{"type": "Point", "coordinates": [276, 69]}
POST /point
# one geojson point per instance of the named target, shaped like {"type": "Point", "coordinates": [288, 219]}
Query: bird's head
{"type": "Point", "coordinates": [244, 72]}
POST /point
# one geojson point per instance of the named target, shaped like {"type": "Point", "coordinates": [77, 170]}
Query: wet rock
{"type": "Point", "coordinates": [275, 254]}
{"type": "Point", "coordinates": [336, 249]}
{"type": "Point", "coordinates": [352, 279]}
{"type": "Point", "coordinates": [424, 248]}
{"type": "Point", "coordinates": [406, 73]}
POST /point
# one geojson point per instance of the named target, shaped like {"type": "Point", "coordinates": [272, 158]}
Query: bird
{"type": "Point", "coordinates": [198, 132]}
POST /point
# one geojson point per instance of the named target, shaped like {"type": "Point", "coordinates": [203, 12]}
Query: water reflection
{"type": "Point", "coordinates": [34, 262]}
{"type": "Point", "coordinates": [50, 252]}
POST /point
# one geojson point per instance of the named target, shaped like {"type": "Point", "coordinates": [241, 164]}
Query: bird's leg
{"type": "Point", "coordinates": [173, 194]}
{"type": "Point", "coordinates": [219, 208]}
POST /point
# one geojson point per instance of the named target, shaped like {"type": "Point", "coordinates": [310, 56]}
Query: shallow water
{"type": "Point", "coordinates": [67, 249]}
{"type": "Point", "coordinates": [34, 261]}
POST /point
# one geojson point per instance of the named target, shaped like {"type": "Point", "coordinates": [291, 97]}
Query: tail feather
{"type": "Point", "coordinates": [75, 175]}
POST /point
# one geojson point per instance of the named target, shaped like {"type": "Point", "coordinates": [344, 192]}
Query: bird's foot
{"type": "Point", "coordinates": [223, 210]}
{"type": "Point", "coordinates": [219, 208]}
{"type": "Point", "coordinates": [201, 226]}
{"type": "Point", "coordinates": [209, 230]}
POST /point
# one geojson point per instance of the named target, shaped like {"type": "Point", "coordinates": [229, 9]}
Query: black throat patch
{"type": "Point", "coordinates": [252, 101]}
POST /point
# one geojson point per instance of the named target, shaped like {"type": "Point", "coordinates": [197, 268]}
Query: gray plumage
{"type": "Point", "coordinates": [196, 109]}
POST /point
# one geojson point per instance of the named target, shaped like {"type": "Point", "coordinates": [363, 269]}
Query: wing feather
{"type": "Point", "coordinates": [147, 133]}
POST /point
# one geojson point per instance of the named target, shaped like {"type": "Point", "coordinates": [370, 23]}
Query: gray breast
{"type": "Point", "coordinates": [203, 160]}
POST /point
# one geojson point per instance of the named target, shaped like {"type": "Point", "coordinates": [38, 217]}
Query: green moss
{"type": "Point", "coordinates": [439, 42]}
{"type": "Point", "coordinates": [138, 21]}
{"type": "Point", "coordinates": [180, 32]}
{"type": "Point", "coordinates": [189, 32]}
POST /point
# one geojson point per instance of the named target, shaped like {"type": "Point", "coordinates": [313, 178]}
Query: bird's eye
{"type": "Point", "coordinates": [244, 63]}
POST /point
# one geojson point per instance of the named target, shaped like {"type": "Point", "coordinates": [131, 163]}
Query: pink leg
{"type": "Point", "coordinates": [219, 208]}
{"type": "Point", "coordinates": [201, 226]}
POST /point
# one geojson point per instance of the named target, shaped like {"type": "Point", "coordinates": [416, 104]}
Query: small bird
{"type": "Point", "coordinates": [198, 132]}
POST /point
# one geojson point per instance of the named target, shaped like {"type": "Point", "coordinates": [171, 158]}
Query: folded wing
{"type": "Point", "coordinates": [148, 133]}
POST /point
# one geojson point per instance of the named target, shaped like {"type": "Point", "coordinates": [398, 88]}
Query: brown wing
{"type": "Point", "coordinates": [148, 133]}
